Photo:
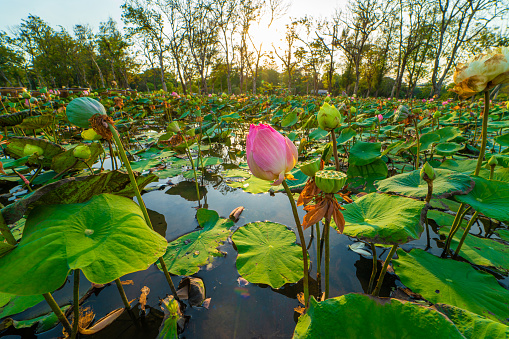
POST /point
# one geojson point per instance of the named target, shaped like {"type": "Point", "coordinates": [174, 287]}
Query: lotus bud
{"type": "Point", "coordinates": [493, 161]}
{"type": "Point", "coordinates": [328, 117]}
{"type": "Point", "coordinates": [82, 152]}
{"type": "Point", "coordinates": [327, 99]}
{"type": "Point", "coordinates": [437, 115]}
{"type": "Point", "coordinates": [330, 181]}
{"type": "Point", "coordinates": [310, 167]}
{"type": "Point", "coordinates": [173, 127]}
{"type": "Point", "coordinates": [427, 172]}
{"type": "Point", "coordinates": [32, 149]}
{"type": "Point", "coordinates": [353, 110]}
{"type": "Point", "coordinates": [80, 110]}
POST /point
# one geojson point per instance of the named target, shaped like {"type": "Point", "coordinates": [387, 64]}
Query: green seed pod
{"type": "Point", "coordinates": [310, 167]}
{"type": "Point", "coordinates": [428, 170]}
{"type": "Point", "coordinates": [31, 149]}
{"type": "Point", "coordinates": [173, 127]}
{"type": "Point", "coordinates": [82, 152]}
{"type": "Point", "coordinates": [330, 181]}
{"type": "Point", "coordinates": [493, 161]}
{"type": "Point", "coordinates": [80, 110]}
{"type": "Point", "coordinates": [328, 117]}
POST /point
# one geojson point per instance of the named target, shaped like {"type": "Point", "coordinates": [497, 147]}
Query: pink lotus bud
{"type": "Point", "coordinates": [380, 117]}
{"type": "Point", "coordinates": [174, 94]}
{"type": "Point", "coordinates": [444, 103]}
{"type": "Point", "coordinates": [269, 154]}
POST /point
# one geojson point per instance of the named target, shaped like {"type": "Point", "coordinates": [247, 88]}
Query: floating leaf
{"type": "Point", "coordinates": [363, 153]}
{"type": "Point", "coordinates": [13, 304]}
{"type": "Point", "coordinates": [185, 255]}
{"type": "Point", "coordinates": [381, 318]}
{"type": "Point", "coordinates": [383, 219]}
{"type": "Point", "coordinates": [346, 134]}
{"type": "Point", "coordinates": [448, 148]}
{"type": "Point", "coordinates": [454, 283]}
{"type": "Point", "coordinates": [268, 254]}
{"type": "Point", "coordinates": [86, 236]}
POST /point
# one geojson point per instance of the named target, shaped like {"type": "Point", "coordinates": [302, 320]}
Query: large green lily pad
{"type": "Point", "coordinates": [185, 255]}
{"type": "Point", "coordinates": [346, 134]}
{"type": "Point", "coordinates": [489, 197]}
{"type": "Point", "coordinates": [36, 122]}
{"type": "Point", "coordinates": [465, 166]}
{"type": "Point", "coordinates": [454, 283]}
{"type": "Point", "coordinates": [384, 219]}
{"type": "Point", "coordinates": [480, 251]}
{"type": "Point", "coordinates": [13, 304]}
{"type": "Point", "coordinates": [410, 184]}
{"type": "Point", "coordinates": [448, 133]}
{"type": "Point", "coordinates": [106, 237]}
{"type": "Point", "coordinates": [268, 254]}
{"type": "Point", "coordinates": [448, 148]}
{"type": "Point", "coordinates": [356, 316]}
{"type": "Point", "coordinates": [363, 153]}
{"type": "Point", "coordinates": [473, 326]}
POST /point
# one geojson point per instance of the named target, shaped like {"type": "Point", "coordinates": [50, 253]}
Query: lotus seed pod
{"type": "Point", "coordinates": [310, 167]}
{"type": "Point", "coordinates": [173, 127]}
{"type": "Point", "coordinates": [31, 149]}
{"type": "Point", "coordinates": [437, 115]}
{"type": "Point", "coordinates": [428, 170]}
{"type": "Point", "coordinates": [493, 161]}
{"type": "Point", "coordinates": [328, 117]}
{"type": "Point", "coordinates": [330, 181]}
{"type": "Point", "coordinates": [82, 152]}
{"type": "Point", "coordinates": [80, 110]}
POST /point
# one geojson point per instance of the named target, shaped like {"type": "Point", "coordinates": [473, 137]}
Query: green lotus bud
{"type": "Point", "coordinates": [493, 161]}
{"type": "Point", "coordinates": [80, 110]}
{"type": "Point", "coordinates": [353, 110]}
{"type": "Point", "coordinates": [327, 99]}
{"type": "Point", "coordinates": [310, 167]}
{"type": "Point", "coordinates": [428, 170]}
{"type": "Point", "coordinates": [328, 117]}
{"type": "Point", "coordinates": [82, 152]}
{"type": "Point", "coordinates": [31, 149]}
{"type": "Point", "coordinates": [173, 127]}
{"type": "Point", "coordinates": [330, 181]}
{"type": "Point", "coordinates": [437, 115]}
{"type": "Point", "coordinates": [26, 95]}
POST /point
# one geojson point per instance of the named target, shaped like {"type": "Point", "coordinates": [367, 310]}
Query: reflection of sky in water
{"type": "Point", "coordinates": [243, 292]}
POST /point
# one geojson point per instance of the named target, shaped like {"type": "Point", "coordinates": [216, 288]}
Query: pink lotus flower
{"type": "Point", "coordinates": [269, 154]}
{"type": "Point", "coordinates": [380, 117]}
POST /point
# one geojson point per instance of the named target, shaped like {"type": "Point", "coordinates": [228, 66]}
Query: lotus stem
{"type": "Point", "coordinates": [484, 131]}
{"type": "Point", "coordinates": [465, 233]}
{"type": "Point", "coordinates": [428, 199]}
{"type": "Point", "coordinates": [318, 256]}
{"type": "Point", "coordinates": [374, 270]}
{"type": "Point", "coordinates": [454, 228]}
{"type": "Point", "coordinates": [58, 312]}
{"type": "Point", "coordinates": [194, 171]}
{"type": "Point", "coordinates": [384, 270]}
{"type": "Point", "coordinates": [335, 149]}
{"type": "Point", "coordinates": [417, 160]}
{"type": "Point", "coordinates": [120, 288]}
{"type": "Point", "coordinates": [302, 242]}
{"type": "Point", "coordinates": [76, 306]}
{"type": "Point", "coordinates": [168, 277]}
{"type": "Point", "coordinates": [143, 208]}
{"type": "Point", "coordinates": [6, 232]}
{"type": "Point", "coordinates": [326, 232]}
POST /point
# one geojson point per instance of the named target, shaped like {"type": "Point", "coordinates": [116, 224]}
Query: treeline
{"type": "Point", "coordinates": [396, 48]}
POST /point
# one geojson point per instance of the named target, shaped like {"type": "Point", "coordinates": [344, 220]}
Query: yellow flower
{"type": "Point", "coordinates": [482, 72]}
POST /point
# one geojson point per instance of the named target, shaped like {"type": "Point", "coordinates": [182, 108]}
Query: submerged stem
{"type": "Point", "coordinates": [384, 270]}
{"type": "Point", "coordinates": [302, 242]}
{"type": "Point", "coordinates": [374, 270]}
{"type": "Point", "coordinates": [76, 303]}
{"type": "Point", "coordinates": [122, 293]}
{"type": "Point", "coordinates": [58, 312]}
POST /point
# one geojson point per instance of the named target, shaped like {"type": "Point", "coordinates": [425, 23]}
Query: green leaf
{"type": "Point", "coordinates": [473, 326]}
{"type": "Point", "coordinates": [67, 160]}
{"type": "Point", "coordinates": [466, 166]}
{"type": "Point", "coordinates": [346, 134]}
{"type": "Point", "coordinates": [210, 161]}
{"type": "Point", "coordinates": [488, 197]}
{"type": "Point", "coordinates": [185, 255]}
{"type": "Point", "coordinates": [143, 165]}
{"type": "Point", "coordinates": [106, 237]}
{"type": "Point", "coordinates": [367, 174]}
{"type": "Point", "coordinates": [13, 304]}
{"type": "Point", "coordinates": [427, 140]}
{"type": "Point", "coordinates": [503, 139]}
{"type": "Point", "coordinates": [448, 133]}
{"type": "Point", "coordinates": [454, 283]}
{"type": "Point", "coordinates": [383, 219]}
{"type": "Point", "coordinates": [448, 148]}
{"type": "Point", "coordinates": [361, 316]}
{"type": "Point", "coordinates": [36, 122]}
{"type": "Point", "coordinates": [481, 251]}
{"type": "Point", "coordinates": [169, 328]}
{"type": "Point", "coordinates": [318, 134]}
{"type": "Point", "coordinates": [410, 184]}
{"type": "Point", "coordinates": [167, 173]}
{"type": "Point", "coordinates": [363, 153]}
{"type": "Point", "coordinates": [268, 254]}
{"type": "Point", "coordinates": [16, 147]}
{"type": "Point", "coordinates": [290, 119]}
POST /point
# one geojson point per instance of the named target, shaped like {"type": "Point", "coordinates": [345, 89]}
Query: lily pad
{"type": "Point", "coordinates": [13, 119]}
{"type": "Point", "coordinates": [488, 197]}
{"type": "Point", "coordinates": [466, 166]}
{"type": "Point", "coordinates": [427, 140]}
{"type": "Point", "coordinates": [36, 122]}
{"type": "Point", "coordinates": [410, 184]}
{"type": "Point", "coordinates": [185, 255]}
{"type": "Point", "coordinates": [16, 147]}
{"type": "Point", "coordinates": [473, 326]}
{"type": "Point", "coordinates": [13, 304]}
{"type": "Point", "coordinates": [454, 283]}
{"type": "Point", "coordinates": [448, 133]}
{"type": "Point", "coordinates": [367, 174]}
{"type": "Point", "coordinates": [106, 237]}
{"type": "Point", "coordinates": [503, 139]}
{"type": "Point", "coordinates": [268, 254]}
{"type": "Point", "coordinates": [448, 148]}
{"type": "Point", "coordinates": [289, 120]}
{"type": "Point", "coordinates": [363, 153]}
{"type": "Point", "coordinates": [361, 316]}
{"type": "Point", "coordinates": [346, 134]}
{"type": "Point", "coordinates": [384, 219]}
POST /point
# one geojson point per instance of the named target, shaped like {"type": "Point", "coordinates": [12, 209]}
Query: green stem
{"type": "Point", "coordinates": [417, 162]}
{"type": "Point", "coordinates": [374, 270]}
{"type": "Point", "coordinates": [428, 199]}
{"type": "Point", "coordinates": [6, 232]}
{"type": "Point", "coordinates": [194, 170]}
{"type": "Point", "coordinates": [384, 270]}
{"type": "Point", "coordinates": [58, 312]}
{"type": "Point", "coordinates": [465, 233]}
{"type": "Point", "coordinates": [454, 228]}
{"type": "Point", "coordinates": [318, 257]}
{"type": "Point", "coordinates": [484, 131]}
{"type": "Point", "coordinates": [122, 293]}
{"type": "Point", "coordinates": [76, 306]}
{"type": "Point", "coordinates": [39, 169]}
{"type": "Point", "coordinates": [326, 232]}
{"type": "Point", "coordinates": [302, 241]}
{"type": "Point", "coordinates": [335, 149]}
{"type": "Point", "coordinates": [168, 277]}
